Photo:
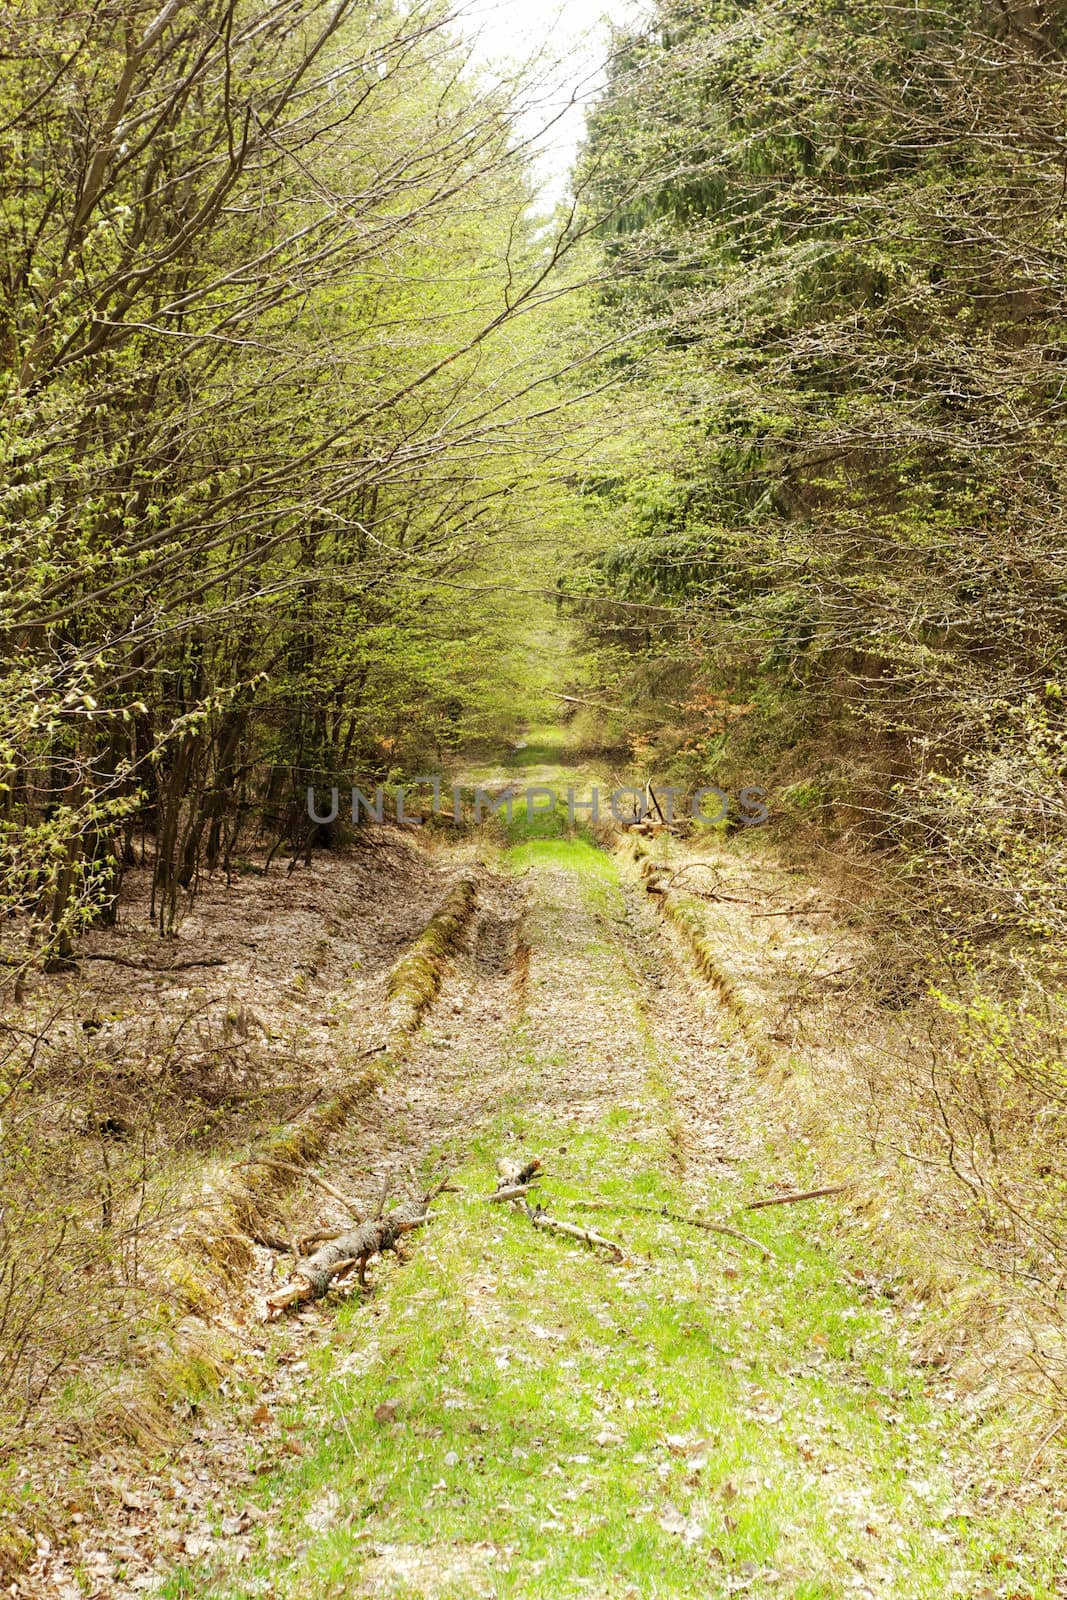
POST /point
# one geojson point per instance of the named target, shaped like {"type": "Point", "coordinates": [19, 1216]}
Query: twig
{"type": "Point", "coordinates": [678, 1216]}
{"type": "Point", "coordinates": [303, 1172]}
{"type": "Point", "coordinates": [344, 1423]}
{"type": "Point", "coordinates": [800, 1194]}
{"type": "Point", "coordinates": [1046, 1439]}
{"type": "Point", "coordinates": [444, 1187]}
{"type": "Point", "coordinates": [723, 1227]}
{"type": "Point", "coordinates": [146, 966]}
{"type": "Point", "coordinates": [705, 894]}
{"type": "Point", "coordinates": [541, 1219]}
{"type": "Point", "coordinates": [800, 911]}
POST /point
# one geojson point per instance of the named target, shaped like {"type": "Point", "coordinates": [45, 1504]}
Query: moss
{"type": "Point", "coordinates": [190, 1288]}
{"type": "Point", "coordinates": [416, 978]}
{"type": "Point", "coordinates": [17, 1549]}
{"type": "Point", "coordinates": [244, 1197]}
{"type": "Point", "coordinates": [687, 917]}
{"type": "Point", "coordinates": [188, 1361]}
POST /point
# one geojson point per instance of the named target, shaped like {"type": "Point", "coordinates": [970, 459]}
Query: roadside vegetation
{"type": "Point", "coordinates": [329, 458]}
{"type": "Point", "coordinates": [840, 565]}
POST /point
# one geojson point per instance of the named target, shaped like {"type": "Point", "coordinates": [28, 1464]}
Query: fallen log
{"type": "Point", "coordinates": [355, 1247]}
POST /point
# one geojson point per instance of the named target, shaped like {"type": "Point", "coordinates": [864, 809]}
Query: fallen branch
{"type": "Point", "coordinates": [272, 1241]}
{"type": "Point", "coordinates": [357, 1246]}
{"type": "Point", "coordinates": [443, 1187]}
{"type": "Point", "coordinates": [723, 1227]}
{"type": "Point", "coordinates": [317, 1236]}
{"type": "Point", "coordinates": [704, 894]}
{"type": "Point", "coordinates": [542, 1220]}
{"type": "Point", "coordinates": [677, 1216]}
{"type": "Point", "coordinates": [150, 966]}
{"type": "Point", "coordinates": [147, 966]}
{"type": "Point", "coordinates": [511, 1173]}
{"type": "Point", "coordinates": [596, 705]}
{"type": "Point", "coordinates": [512, 1191]}
{"type": "Point", "coordinates": [800, 1194]}
{"type": "Point", "coordinates": [1046, 1440]}
{"type": "Point", "coordinates": [795, 911]}
{"type": "Point", "coordinates": [303, 1172]}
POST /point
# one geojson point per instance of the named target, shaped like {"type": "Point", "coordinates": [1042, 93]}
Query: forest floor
{"type": "Point", "coordinates": [506, 1412]}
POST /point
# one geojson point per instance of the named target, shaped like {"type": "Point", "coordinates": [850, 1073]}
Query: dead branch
{"type": "Point", "coordinates": [1046, 1439]}
{"type": "Point", "coordinates": [444, 1187]}
{"type": "Point", "coordinates": [316, 1236]}
{"type": "Point", "coordinates": [512, 1173]}
{"type": "Point", "coordinates": [542, 1220]}
{"type": "Point", "coordinates": [511, 1191]}
{"type": "Point", "coordinates": [797, 911]}
{"type": "Point", "coordinates": [723, 1227]}
{"type": "Point", "coordinates": [677, 1216]}
{"type": "Point", "coordinates": [357, 1246]}
{"type": "Point", "coordinates": [800, 1194]}
{"type": "Point", "coordinates": [272, 1241]}
{"type": "Point", "coordinates": [303, 1172]}
{"type": "Point", "coordinates": [596, 705]}
{"type": "Point", "coordinates": [147, 966]}
{"type": "Point", "coordinates": [705, 894]}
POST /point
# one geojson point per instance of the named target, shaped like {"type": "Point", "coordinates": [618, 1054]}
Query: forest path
{"type": "Point", "coordinates": [508, 1413]}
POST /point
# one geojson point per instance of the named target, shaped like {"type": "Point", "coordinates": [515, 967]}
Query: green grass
{"type": "Point", "coordinates": [574, 1414]}
{"type": "Point", "coordinates": [572, 854]}
{"type": "Point", "coordinates": [697, 1420]}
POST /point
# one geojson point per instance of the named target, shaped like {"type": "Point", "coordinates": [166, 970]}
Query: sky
{"type": "Point", "coordinates": [574, 35]}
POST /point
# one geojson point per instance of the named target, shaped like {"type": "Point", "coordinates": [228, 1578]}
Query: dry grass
{"type": "Point", "coordinates": [948, 1160]}
{"type": "Point", "coordinates": [137, 1086]}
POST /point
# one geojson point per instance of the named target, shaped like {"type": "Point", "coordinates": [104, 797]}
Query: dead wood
{"type": "Point", "coordinates": [676, 1216]}
{"type": "Point", "coordinates": [511, 1191]}
{"type": "Point", "coordinates": [704, 894]}
{"type": "Point", "coordinates": [800, 1194]}
{"type": "Point", "coordinates": [597, 705]}
{"type": "Point", "coordinates": [271, 1241]}
{"type": "Point", "coordinates": [444, 1187]}
{"type": "Point", "coordinates": [316, 1236]}
{"type": "Point", "coordinates": [723, 1227]}
{"type": "Point", "coordinates": [797, 911]}
{"type": "Point", "coordinates": [148, 966]}
{"type": "Point", "coordinates": [303, 1172]}
{"type": "Point", "coordinates": [355, 1247]}
{"type": "Point", "coordinates": [513, 1172]}
{"type": "Point", "coordinates": [569, 1230]}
